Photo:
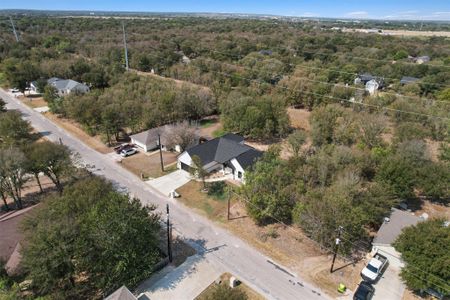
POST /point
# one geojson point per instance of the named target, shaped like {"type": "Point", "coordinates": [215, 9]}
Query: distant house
{"type": "Point", "coordinates": [34, 87]}
{"type": "Point", "coordinates": [408, 80]}
{"type": "Point", "coordinates": [67, 86]}
{"type": "Point", "coordinates": [420, 59]}
{"type": "Point", "coordinates": [149, 140]}
{"type": "Point", "coordinates": [265, 52]}
{"type": "Point", "coordinates": [389, 231]}
{"type": "Point", "coordinates": [227, 154]}
{"type": "Point", "coordinates": [123, 293]}
{"type": "Point", "coordinates": [363, 78]}
{"type": "Point", "coordinates": [372, 86]}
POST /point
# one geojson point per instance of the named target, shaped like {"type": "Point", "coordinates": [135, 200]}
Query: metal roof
{"type": "Point", "coordinates": [390, 230]}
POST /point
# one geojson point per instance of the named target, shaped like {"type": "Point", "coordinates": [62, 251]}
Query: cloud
{"type": "Point", "coordinates": [358, 14]}
{"type": "Point", "coordinates": [441, 13]}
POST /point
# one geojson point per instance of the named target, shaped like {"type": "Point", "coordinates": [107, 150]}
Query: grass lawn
{"type": "Point", "coordinates": [225, 280]}
{"type": "Point", "coordinates": [213, 207]}
{"type": "Point", "coordinates": [150, 165]}
{"type": "Point", "coordinates": [219, 132]}
{"type": "Point", "coordinates": [33, 101]}
{"type": "Point", "coordinates": [207, 123]}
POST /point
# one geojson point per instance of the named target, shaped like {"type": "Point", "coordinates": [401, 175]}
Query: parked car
{"type": "Point", "coordinates": [128, 152]}
{"type": "Point", "coordinates": [364, 291]}
{"type": "Point", "coordinates": [119, 149]}
{"type": "Point", "coordinates": [373, 270]}
{"type": "Point", "coordinates": [15, 90]}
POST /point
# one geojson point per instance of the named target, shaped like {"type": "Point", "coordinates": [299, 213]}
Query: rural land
{"type": "Point", "coordinates": [217, 156]}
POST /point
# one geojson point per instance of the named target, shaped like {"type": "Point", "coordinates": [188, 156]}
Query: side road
{"type": "Point", "coordinates": [220, 247]}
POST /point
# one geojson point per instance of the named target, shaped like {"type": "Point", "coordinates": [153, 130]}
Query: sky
{"type": "Point", "coordinates": [357, 9]}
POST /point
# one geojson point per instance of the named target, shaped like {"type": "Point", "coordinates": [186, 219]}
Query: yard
{"type": "Point", "coordinates": [33, 101]}
{"type": "Point", "coordinates": [286, 245]}
{"type": "Point", "coordinates": [225, 280]}
{"type": "Point", "coordinates": [149, 165]}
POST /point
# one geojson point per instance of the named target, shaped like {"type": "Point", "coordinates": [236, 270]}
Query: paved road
{"type": "Point", "coordinates": [219, 246]}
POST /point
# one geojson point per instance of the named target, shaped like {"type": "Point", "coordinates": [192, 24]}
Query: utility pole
{"type": "Point", "coordinates": [125, 46]}
{"type": "Point", "coordinates": [14, 29]}
{"type": "Point", "coordinates": [169, 235]}
{"type": "Point", "coordinates": [336, 248]}
{"type": "Point", "coordinates": [160, 152]}
{"type": "Point", "coordinates": [229, 199]}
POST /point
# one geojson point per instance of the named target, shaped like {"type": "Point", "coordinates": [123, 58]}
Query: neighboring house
{"type": "Point", "coordinates": [121, 294]}
{"type": "Point", "coordinates": [408, 80]}
{"type": "Point", "coordinates": [11, 237]}
{"type": "Point", "coordinates": [420, 59]}
{"type": "Point", "coordinates": [148, 140]}
{"type": "Point", "coordinates": [364, 78]}
{"type": "Point", "coordinates": [67, 86]}
{"type": "Point", "coordinates": [389, 231]}
{"type": "Point", "coordinates": [227, 154]}
{"type": "Point", "coordinates": [34, 87]}
{"type": "Point", "coordinates": [372, 86]}
{"type": "Point", "coordinates": [265, 52]}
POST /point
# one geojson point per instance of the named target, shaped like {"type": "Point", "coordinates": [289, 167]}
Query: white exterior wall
{"type": "Point", "coordinates": [391, 254]}
{"type": "Point", "coordinates": [140, 145]}
{"type": "Point", "coordinates": [184, 158]}
{"type": "Point", "coordinates": [237, 168]}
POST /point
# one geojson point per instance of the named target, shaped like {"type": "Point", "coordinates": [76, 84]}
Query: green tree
{"type": "Point", "coordinates": [52, 159]}
{"type": "Point", "coordinates": [197, 169]}
{"type": "Point", "coordinates": [424, 248]}
{"type": "Point", "coordinates": [13, 129]}
{"type": "Point", "coordinates": [12, 173]}
{"type": "Point", "coordinates": [401, 54]}
{"type": "Point", "coordinates": [89, 241]}
{"type": "Point", "coordinates": [296, 140]}
{"type": "Point", "coordinates": [269, 196]}
{"type": "Point", "coordinates": [2, 105]}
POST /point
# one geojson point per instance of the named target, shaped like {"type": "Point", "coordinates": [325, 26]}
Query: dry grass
{"type": "Point", "coordinates": [149, 165]}
{"type": "Point", "coordinates": [75, 129]}
{"type": "Point", "coordinates": [225, 280]}
{"type": "Point", "coordinates": [213, 125]}
{"type": "Point", "coordinates": [33, 102]}
{"type": "Point", "coordinates": [299, 118]}
{"type": "Point", "coordinates": [285, 245]}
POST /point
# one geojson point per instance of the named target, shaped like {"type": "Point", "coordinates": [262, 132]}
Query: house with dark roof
{"type": "Point", "coordinates": [389, 231]}
{"type": "Point", "coordinates": [122, 293]}
{"type": "Point", "coordinates": [408, 80]}
{"type": "Point", "coordinates": [67, 86]}
{"type": "Point", "coordinates": [227, 154]}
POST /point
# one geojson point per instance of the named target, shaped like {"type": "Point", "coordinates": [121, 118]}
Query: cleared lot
{"type": "Point", "coordinates": [149, 165]}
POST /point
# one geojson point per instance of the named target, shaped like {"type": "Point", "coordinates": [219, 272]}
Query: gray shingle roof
{"type": "Point", "coordinates": [150, 136]}
{"type": "Point", "coordinates": [65, 84]}
{"type": "Point", "coordinates": [248, 158]}
{"type": "Point", "coordinates": [389, 231]}
{"type": "Point", "coordinates": [121, 294]}
{"type": "Point", "coordinates": [408, 79]}
{"type": "Point", "coordinates": [220, 150]}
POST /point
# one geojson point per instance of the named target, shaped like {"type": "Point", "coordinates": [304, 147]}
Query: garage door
{"type": "Point", "coordinates": [185, 167]}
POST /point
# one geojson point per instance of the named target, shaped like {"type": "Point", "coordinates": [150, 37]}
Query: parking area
{"type": "Point", "coordinates": [170, 182]}
{"type": "Point", "coordinates": [390, 285]}
{"type": "Point", "coordinates": [149, 166]}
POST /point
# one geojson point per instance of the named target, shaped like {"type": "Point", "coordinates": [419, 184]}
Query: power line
{"type": "Point", "coordinates": [14, 29]}
{"type": "Point", "coordinates": [329, 69]}
{"type": "Point", "coordinates": [335, 84]}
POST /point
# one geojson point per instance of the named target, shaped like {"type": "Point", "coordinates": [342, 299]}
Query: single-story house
{"type": "Point", "coordinates": [148, 140]}
{"type": "Point", "coordinates": [364, 78]}
{"type": "Point", "coordinates": [34, 87]}
{"type": "Point", "coordinates": [389, 231]}
{"type": "Point", "coordinates": [420, 59]}
{"type": "Point", "coordinates": [228, 154]}
{"type": "Point", "coordinates": [67, 86]}
{"type": "Point", "coordinates": [372, 86]}
{"type": "Point", "coordinates": [408, 80]}
{"type": "Point", "coordinates": [122, 293]}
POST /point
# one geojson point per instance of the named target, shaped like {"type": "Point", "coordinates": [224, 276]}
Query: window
{"type": "Point", "coordinates": [239, 175]}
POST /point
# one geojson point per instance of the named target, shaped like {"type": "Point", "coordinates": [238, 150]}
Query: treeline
{"type": "Point", "coordinates": [135, 103]}
{"type": "Point", "coordinates": [343, 181]}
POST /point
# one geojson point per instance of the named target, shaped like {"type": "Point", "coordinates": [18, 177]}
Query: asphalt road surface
{"type": "Point", "coordinates": [212, 242]}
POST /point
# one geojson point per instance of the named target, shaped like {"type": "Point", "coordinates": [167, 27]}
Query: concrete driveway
{"type": "Point", "coordinates": [170, 182]}
{"type": "Point", "coordinates": [390, 286]}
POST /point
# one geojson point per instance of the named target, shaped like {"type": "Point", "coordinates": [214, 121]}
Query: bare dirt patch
{"type": "Point", "coordinates": [76, 130]}
{"type": "Point", "coordinates": [299, 118]}
{"type": "Point", "coordinates": [434, 210]}
{"type": "Point", "coordinates": [33, 102]}
{"type": "Point", "coordinates": [209, 126]}
{"type": "Point", "coordinates": [286, 245]}
{"type": "Point", "coordinates": [149, 165]}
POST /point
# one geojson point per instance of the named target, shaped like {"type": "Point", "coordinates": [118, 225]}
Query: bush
{"type": "Point", "coordinates": [217, 189]}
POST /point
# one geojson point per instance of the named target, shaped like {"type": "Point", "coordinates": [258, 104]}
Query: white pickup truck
{"type": "Point", "coordinates": [374, 268]}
